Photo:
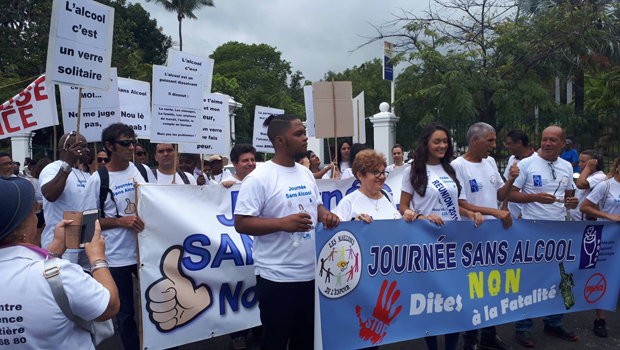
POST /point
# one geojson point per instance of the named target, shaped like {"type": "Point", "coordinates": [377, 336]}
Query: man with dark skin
{"type": "Point", "coordinates": [72, 153]}
{"type": "Point", "coordinates": [187, 163]}
{"type": "Point", "coordinates": [218, 173]}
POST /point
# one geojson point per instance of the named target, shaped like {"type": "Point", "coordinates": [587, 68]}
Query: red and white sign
{"type": "Point", "coordinates": [32, 109]}
{"type": "Point", "coordinates": [595, 288]}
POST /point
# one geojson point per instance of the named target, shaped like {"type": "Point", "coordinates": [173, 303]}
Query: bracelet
{"type": "Point", "coordinates": [98, 260]}
{"type": "Point", "coordinates": [417, 216]}
{"type": "Point", "coordinates": [99, 265]}
{"type": "Point", "coordinates": [55, 255]}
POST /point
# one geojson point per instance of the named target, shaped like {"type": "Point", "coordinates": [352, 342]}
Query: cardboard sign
{"type": "Point", "coordinates": [260, 141]}
{"type": "Point", "coordinates": [32, 109]}
{"type": "Point", "coordinates": [79, 51]}
{"type": "Point", "coordinates": [99, 109]}
{"type": "Point", "coordinates": [330, 97]}
{"type": "Point", "coordinates": [135, 104]}
{"type": "Point", "coordinates": [177, 105]}
{"type": "Point", "coordinates": [310, 128]}
{"type": "Point", "coordinates": [388, 54]}
{"type": "Point", "coordinates": [214, 135]}
{"type": "Point", "coordinates": [191, 63]}
{"type": "Point", "coordinates": [359, 118]}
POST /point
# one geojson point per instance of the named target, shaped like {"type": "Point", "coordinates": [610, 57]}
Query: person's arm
{"type": "Point", "coordinates": [256, 226]}
{"type": "Point", "coordinates": [319, 174]}
{"type": "Point", "coordinates": [518, 197]}
{"type": "Point", "coordinates": [503, 215]}
{"type": "Point", "coordinates": [589, 209]}
{"type": "Point", "coordinates": [95, 250]}
{"type": "Point", "coordinates": [582, 182]}
{"type": "Point", "coordinates": [53, 189]}
{"type": "Point", "coordinates": [329, 219]}
{"type": "Point", "coordinates": [132, 222]}
{"type": "Point", "coordinates": [475, 216]}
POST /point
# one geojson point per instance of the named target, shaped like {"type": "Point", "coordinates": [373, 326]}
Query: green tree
{"type": "Point", "coordinates": [184, 9]}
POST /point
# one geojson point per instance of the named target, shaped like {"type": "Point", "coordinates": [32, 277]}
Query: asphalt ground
{"type": "Point", "coordinates": [579, 322]}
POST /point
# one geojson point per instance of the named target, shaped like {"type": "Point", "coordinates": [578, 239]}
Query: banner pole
{"type": "Point", "coordinates": [358, 122]}
{"type": "Point", "coordinates": [55, 144]}
{"type": "Point", "coordinates": [96, 162]}
{"type": "Point", "coordinates": [176, 156]}
{"type": "Point", "coordinates": [140, 320]}
{"type": "Point", "coordinates": [77, 135]}
{"type": "Point", "coordinates": [202, 164]}
{"type": "Point", "coordinates": [335, 126]}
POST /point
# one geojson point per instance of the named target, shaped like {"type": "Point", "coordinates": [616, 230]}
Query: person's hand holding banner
{"type": "Point", "coordinates": [174, 300]}
{"type": "Point", "coordinates": [380, 315]}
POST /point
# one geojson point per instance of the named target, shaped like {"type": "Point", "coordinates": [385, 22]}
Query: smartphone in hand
{"type": "Point", "coordinates": [89, 217]}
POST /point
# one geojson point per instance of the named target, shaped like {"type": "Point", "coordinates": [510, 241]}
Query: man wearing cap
{"type": "Point", "coordinates": [62, 186]}
{"type": "Point", "coordinates": [7, 167]}
{"type": "Point", "coordinates": [218, 173]}
{"type": "Point", "coordinates": [570, 155]}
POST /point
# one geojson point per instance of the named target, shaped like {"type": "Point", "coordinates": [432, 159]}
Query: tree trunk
{"type": "Point", "coordinates": [180, 34]}
{"type": "Point", "coordinates": [580, 92]}
{"type": "Point", "coordinates": [487, 114]}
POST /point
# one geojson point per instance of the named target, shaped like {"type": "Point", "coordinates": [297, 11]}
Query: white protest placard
{"type": "Point", "coordinates": [99, 109]}
{"type": "Point", "coordinates": [359, 118]}
{"type": "Point", "coordinates": [308, 100]}
{"type": "Point", "coordinates": [191, 63]}
{"type": "Point", "coordinates": [32, 109]}
{"type": "Point", "coordinates": [134, 97]}
{"type": "Point", "coordinates": [260, 141]}
{"type": "Point", "coordinates": [79, 51]}
{"type": "Point", "coordinates": [177, 105]}
{"type": "Point", "coordinates": [214, 116]}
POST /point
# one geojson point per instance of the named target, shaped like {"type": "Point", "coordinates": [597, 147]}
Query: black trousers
{"type": "Point", "coordinates": [287, 314]}
{"type": "Point", "coordinates": [126, 315]}
{"type": "Point", "coordinates": [471, 337]}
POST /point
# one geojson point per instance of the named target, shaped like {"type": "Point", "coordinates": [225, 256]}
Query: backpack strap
{"type": "Point", "coordinates": [602, 204]}
{"type": "Point", "coordinates": [154, 173]}
{"type": "Point", "coordinates": [386, 196]}
{"type": "Point", "coordinates": [142, 170]}
{"type": "Point", "coordinates": [183, 177]}
{"type": "Point", "coordinates": [104, 190]}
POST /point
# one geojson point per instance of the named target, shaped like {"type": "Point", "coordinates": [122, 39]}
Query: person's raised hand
{"type": "Point", "coordinates": [591, 165]}
{"type": "Point", "coordinates": [300, 222]}
{"type": "Point", "coordinates": [133, 222]}
{"type": "Point", "coordinates": [505, 216]}
{"type": "Point", "coordinates": [175, 300]}
{"type": "Point", "coordinates": [95, 249]}
{"type": "Point", "coordinates": [545, 198]}
{"type": "Point", "coordinates": [75, 152]}
{"type": "Point", "coordinates": [513, 173]}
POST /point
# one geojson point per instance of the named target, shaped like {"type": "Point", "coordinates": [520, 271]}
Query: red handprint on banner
{"type": "Point", "coordinates": [376, 326]}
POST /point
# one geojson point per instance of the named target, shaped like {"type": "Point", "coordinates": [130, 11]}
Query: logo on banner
{"type": "Point", "coordinates": [595, 288]}
{"type": "Point", "coordinates": [339, 265]}
{"type": "Point", "coordinates": [590, 246]}
{"type": "Point", "coordinates": [376, 326]}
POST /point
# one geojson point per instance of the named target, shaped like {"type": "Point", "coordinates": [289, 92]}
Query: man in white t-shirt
{"type": "Point", "coordinates": [243, 157]}
{"type": "Point", "coordinates": [280, 205]}
{"type": "Point", "coordinates": [517, 142]}
{"type": "Point", "coordinates": [218, 173]}
{"type": "Point", "coordinates": [119, 222]}
{"type": "Point", "coordinates": [7, 166]}
{"type": "Point", "coordinates": [62, 186]}
{"type": "Point", "coordinates": [545, 187]}
{"type": "Point", "coordinates": [166, 174]}
{"type": "Point", "coordinates": [482, 188]}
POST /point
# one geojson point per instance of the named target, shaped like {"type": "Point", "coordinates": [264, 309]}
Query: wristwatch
{"type": "Point", "coordinates": [66, 167]}
{"type": "Point", "coordinates": [55, 255]}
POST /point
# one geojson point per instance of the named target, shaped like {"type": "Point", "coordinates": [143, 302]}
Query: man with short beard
{"type": "Point", "coordinates": [165, 175]}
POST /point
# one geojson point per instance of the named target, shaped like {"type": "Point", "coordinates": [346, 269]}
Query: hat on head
{"type": "Point", "coordinates": [569, 142]}
{"type": "Point", "coordinates": [215, 157]}
{"type": "Point", "coordinates": [16, 204]}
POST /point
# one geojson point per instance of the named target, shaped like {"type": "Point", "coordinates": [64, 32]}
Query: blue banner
{"type": "Point", "coordinates": [391, 281]}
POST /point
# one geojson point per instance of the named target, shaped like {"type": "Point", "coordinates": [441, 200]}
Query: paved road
{"type": "Point", "coordinates": [580, 323]}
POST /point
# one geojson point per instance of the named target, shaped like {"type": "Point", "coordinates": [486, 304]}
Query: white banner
{"type": "Point", "coordinates": [177, 105]}
{"type": "Point", "coordinates": [214, 116]}
{"type": "Point", "coordinates": [32, 109]}
{"type": "Point", "coordinates": [309, 101]}
{"type": "Point", "coordinates": [134, 97]}
{"type": "Point", "coordinates": [99, 109]}
{"type": "Point", "coordinates": [260, 141]}
{"type": "Point", "coordinates": [79, 51]}
{"type": "Point", "coordinates": [189, 244]}
{"type": "Point", "coordinates": [187, 62]}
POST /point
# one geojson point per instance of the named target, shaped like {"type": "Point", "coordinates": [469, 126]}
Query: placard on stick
{"type": "Point", "coordinates": [99, 109]}
{"type": "Point", "coordinates": [80, 44]}
{"type": "Point", "coordinates": [135, 104]}
{"type": "Point", "coordinates": [308, 101]}
{"type": "Point", "coordinates": [177, 105]}
{"type": "Point", "coordinates": [359, 118]}
{"type": "Point", "coordinates": [333, 100]}
{"type": "Point", "coordinates": [260, 141]}
{"type": "Point", "coordinates": [191, 63]}
{"type": "Point", "coordinates": [214, 116]}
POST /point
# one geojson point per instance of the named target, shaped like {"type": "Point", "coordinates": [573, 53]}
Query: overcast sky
{"type": "Point", "coordinates": [314, 36]}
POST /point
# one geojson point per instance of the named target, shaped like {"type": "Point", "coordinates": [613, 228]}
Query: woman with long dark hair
{"type": "Point", "coordinates": [430, 190]}
{"type": "Point", "coordinates": [344, 158]}
{"type": "Point", "coordinates": [315, 162]}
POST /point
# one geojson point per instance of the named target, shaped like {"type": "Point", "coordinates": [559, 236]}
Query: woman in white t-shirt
{"type": "Point", "coordinates": [344, 159]}
{"type": "Point", "coordinates": [607, 196]}
{"type": "Point", "coordinates": [430, 190]}
{"type": "Point", "coordinates": [355, 149]}
{"type": "Point", "coordinates": [591, 165]}
{"type": "Point", "coordinates": [398, 154]}
{"type": "Point", "coordinates": [35, 318]}
{"type": "Point", "coordinates": [369, 202]}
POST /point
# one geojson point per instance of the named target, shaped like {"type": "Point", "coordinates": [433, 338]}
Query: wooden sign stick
{"type": "Point", "coordinates": [77, 135]}
{"type": "Point", "coordinates": [176, 157]}
{"type": "Point", "coordinates": [335, 126]}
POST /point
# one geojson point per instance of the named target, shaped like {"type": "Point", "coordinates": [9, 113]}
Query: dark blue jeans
{"type": "Point", "coordinates": [471, 337]}
{"type": "Point", "coordinates": [451, 340]}
{"type": "Point", "coordinates": [126, 315]}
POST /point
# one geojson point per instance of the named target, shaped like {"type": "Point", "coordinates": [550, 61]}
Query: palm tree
{"type": "Point", "coordinates": [184, 9]}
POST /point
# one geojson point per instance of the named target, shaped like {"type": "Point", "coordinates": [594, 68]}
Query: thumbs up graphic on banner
{"type": "Point", "coordinates": [174, 300]}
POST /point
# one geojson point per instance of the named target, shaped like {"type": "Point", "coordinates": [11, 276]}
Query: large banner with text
{"type": "Point", "coordinates": [391, 281]}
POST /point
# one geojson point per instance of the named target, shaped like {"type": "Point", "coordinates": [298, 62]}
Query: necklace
{"type": "Point", "coordinates": [375, 203]}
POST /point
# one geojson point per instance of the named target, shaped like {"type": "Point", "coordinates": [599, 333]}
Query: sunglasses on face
{"type": "Point", "coordinates": [126, 143]}
{"type": "Point", "coordinates": [141, 154]}
{"type": "Point", "coordinates": [104, 160]}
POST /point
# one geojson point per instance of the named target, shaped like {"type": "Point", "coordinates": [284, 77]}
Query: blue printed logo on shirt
{"type": "Point", "coordinates": [538, 181]}
{"type": "Point", "coordinates": [474, 186]}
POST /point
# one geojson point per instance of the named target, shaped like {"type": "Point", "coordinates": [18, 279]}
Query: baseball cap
{"type": "Point", "coordinates": [215, 157]}
{"type": "Point", "coordinates": [16, 204]}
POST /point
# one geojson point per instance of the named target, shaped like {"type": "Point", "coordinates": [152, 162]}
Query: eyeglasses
{"type": "Point", "coordinates": [11, 163]}
{"type": "Point", "coordinates": [141, 154]}
{"type": "Point", "coordinates": [552, 168]}
{"type": "Point", "coordinates": [508, 143]}
{"type": "Point", "coordinates": [378, 173]}
{"type": "Point", "coordinates": [126, 143]}
{"type": "Point", "coordinates": [105, 160]}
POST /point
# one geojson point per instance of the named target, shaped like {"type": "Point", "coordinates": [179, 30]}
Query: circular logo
{"type": "Point", "coordinates": [596, 286]}
{"type": "Point", "coordinates": [339, 265]}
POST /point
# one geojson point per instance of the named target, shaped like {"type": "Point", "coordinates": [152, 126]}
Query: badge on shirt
{"type": "Point", "coordinates": [538, 181]}
{"type": "Point", "coordinates": [474, 186]}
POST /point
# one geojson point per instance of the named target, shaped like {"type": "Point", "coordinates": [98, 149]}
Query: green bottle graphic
{"type": "Point", "coordinates": [566, 287]}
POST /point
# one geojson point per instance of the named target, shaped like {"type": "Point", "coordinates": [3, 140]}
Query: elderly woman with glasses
{"type": "Point", "coordinates": [27, 298]}
{"type": "Point", "coordinates": [370, 201]}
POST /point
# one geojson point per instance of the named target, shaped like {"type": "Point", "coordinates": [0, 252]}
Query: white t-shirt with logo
{"type": "Point", "coordinates": [44, 324]}
{"type": "Point", "coordinates": [479, 182]}
{"type": "Point", "coordinates": [120, 242]}
{"type": "Point", "coordinates": [393, 167]}
{"type": "Point", "coordinates": [164, 179]}
{"type": "Point", "coordinates": [593, 180]}
{"type": "Point", "coordinates": [513, 208]}
{"type": "Point", "coordinates": [218, 178]}
{"type": "Point", "coordinates": [612, 200]}
{"type": "Point", "coordinates": [433, 202]}
{"type": "Point", "coordinates": [344, 171]}
{"type": "Point", "coordinates": [535, 176]}
{"type": "Point", "coordinates": [356, 203]}
{"type": "Point", "coordinates": [69, 200]}
{"type": "Point", "coordinates": [275, 191]}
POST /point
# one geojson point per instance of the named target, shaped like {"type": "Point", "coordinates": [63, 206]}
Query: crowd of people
{"type": "Point", "coordinates": [436, 186]}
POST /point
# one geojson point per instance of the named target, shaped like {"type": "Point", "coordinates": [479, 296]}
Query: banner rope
{"type": "Point", "coordinates": [36, 76]}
